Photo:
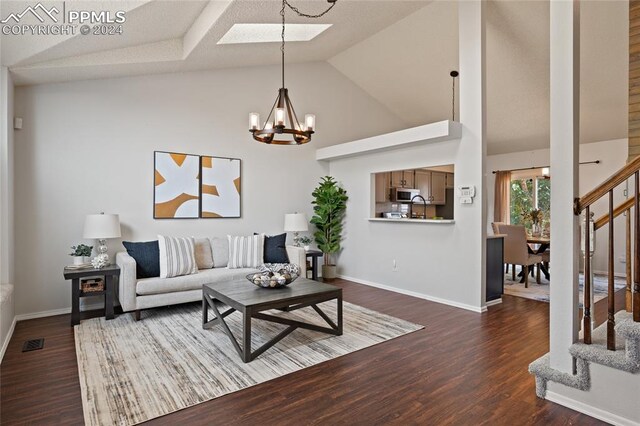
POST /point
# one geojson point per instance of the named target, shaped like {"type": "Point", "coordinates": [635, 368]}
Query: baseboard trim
{"type": "Point", "coordinates": [615, 274]}
{"type": "Point", "coordinates": [7, 339]}
{"type": "Point", "coordinates": [54, 312]}
{"type": "Point", "coordinates": [594, 412]}
{"type": "Point", "coordinates": [415, 294]}
{"type": "Point", "coordinates": [494, 302]}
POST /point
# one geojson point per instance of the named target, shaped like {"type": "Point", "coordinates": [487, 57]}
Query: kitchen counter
{"type": "Point", "coordinates": [407, 220]}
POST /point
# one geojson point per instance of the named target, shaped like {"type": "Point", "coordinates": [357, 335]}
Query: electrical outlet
{"type": "Point", "coordinates": [395, 266]}
{"type": "Point", "coordinates": [622, 259]}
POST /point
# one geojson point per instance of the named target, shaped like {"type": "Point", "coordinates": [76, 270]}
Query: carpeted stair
{"type": "Point", "coordinates": [626, 357]}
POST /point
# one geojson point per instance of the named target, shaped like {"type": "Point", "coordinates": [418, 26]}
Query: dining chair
{"type": "Point", "coordinates": [516, 252]}
{"type": "Point", "coordinates": [496, 227]}
{"type": "Point", "coordinates": [496, 231]}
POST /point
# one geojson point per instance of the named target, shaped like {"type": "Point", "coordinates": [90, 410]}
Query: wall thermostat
{"type": "Point", "coordinates": [466, 194]}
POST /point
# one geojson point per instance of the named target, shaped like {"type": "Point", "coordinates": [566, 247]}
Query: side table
{"type": "Point", "coordinates": [74, 275]}
{"type": "Point", "coordinates": [314, 255]}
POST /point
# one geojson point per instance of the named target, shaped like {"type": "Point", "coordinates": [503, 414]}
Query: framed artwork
{"type": "Point", "coordinates": [176, 183]}
{"type": "Point", "coordinates": [220, 187]}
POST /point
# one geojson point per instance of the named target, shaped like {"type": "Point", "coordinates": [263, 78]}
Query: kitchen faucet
{"type": "Point", "coordinates": [424, 203]}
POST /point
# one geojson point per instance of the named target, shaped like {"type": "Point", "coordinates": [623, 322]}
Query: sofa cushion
{"type": "Point", "coordinates": [147, 257]}
{"type": "Point", "coordinates": [148, 286]}
{"type": "Point", "coordinates": [177, 256]}
{"type": "Point", "coordinates": [202, 249]}
{"type": "Point", "coordinates": [246, 252]}
{"type": "Point", "coordinates": [275, 248]}
{"type": "Point", "coordinates": [220, 252]}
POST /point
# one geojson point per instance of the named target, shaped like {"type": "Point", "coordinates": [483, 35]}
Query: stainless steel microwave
{"type": "Point", "coordinates": [403, 195]}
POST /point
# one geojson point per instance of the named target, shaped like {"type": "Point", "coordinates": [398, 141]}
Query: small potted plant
{"type": "Point", "coordinates": [306, 242]}
{"type": "Point", "coordinates": [81, 254]}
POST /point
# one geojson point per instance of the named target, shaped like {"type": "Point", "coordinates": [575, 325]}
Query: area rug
{"type": "Point", "coordinates": [541, 291]}
{"type": "Point", "coordinates": [132, 371]}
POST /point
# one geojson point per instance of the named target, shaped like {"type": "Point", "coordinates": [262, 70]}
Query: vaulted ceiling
{"type": "Point", "coordinates": [169, 36]}
{"type": "Point", "coordinates": [400, 52]}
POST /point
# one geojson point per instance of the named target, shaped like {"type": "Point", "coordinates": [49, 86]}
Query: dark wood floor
{"type": "Point", "coordinates": [462, 368]}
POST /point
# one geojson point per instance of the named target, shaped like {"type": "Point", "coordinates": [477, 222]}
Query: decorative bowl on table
{"type": "Point", "coordinates": [275, 275]}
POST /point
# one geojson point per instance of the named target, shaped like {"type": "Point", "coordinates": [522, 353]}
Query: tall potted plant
{"type": "Point", "coordinates": [330, 204]}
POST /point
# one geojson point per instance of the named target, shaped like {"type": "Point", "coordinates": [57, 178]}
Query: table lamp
{"type": "Point", "coordinates": [296, 222]}
{"type": "Point", "coordinates": [100, 227]}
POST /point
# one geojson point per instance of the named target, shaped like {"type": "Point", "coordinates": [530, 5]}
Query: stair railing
{"type": "Point", "coordinates": [631, 207]}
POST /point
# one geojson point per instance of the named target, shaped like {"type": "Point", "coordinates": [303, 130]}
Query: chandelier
{"type": "Point", "coordinates": [282, 126]}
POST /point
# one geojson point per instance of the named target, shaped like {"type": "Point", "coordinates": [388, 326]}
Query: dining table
{"type": "Point", "coordinates": [543, 242]}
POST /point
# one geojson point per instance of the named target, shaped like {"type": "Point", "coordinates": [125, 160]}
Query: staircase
{"type": "Point", "coordinates": [615, 343]}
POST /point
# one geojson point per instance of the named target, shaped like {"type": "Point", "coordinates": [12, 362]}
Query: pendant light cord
{"type": "Point", "coordinates": [453, 75]}
{"type": "Point", "coordinates": [453, 101]}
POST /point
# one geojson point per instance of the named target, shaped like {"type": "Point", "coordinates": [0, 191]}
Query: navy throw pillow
{"type": "Point", "coordinates": [147, 257]}
{"type": "Point", "coordinates": [275, 250]}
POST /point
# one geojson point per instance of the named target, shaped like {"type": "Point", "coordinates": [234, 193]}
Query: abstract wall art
{"type": "Point", "coordinates": [176, 186]}
{"type": "Point", "coordinates": [220, 187]}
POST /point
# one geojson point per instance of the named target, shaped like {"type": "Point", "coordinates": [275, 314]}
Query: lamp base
{"type": "Point", "coordinates": [102, 252]}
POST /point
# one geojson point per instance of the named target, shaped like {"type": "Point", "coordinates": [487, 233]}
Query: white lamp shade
{"type": "Point", "coordinates": [101, 226]}
{"type": "Point", "coordinates": [295, 222]}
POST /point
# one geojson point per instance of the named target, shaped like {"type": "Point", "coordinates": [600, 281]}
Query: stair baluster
{"type": "Point", "coordinates": [636, 263]}
{"type": "Point", "coordinates": [611, 299]}
{"type": "Point", "coordinates": [587, 279]}
{"type": "Point", "coordinates": [628, 296]}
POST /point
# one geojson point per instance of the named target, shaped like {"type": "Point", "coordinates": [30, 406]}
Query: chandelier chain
{"type": "Point", "coordinates": [284, 2]}
{"type": "Point", "coordinates": [282, 105]}
{"type": "Point", "coordinates": [319, 15]}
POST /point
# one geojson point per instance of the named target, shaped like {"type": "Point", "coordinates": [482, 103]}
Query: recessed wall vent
{"type": "Point", "coordinates": [33, 345]}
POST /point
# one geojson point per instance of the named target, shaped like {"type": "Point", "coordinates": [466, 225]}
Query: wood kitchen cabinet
{"type": "Point", "coordinates": [449, 184]}
{"type": "Point", "coordinates": [432, 186]}
{"type": "Point", "coordinates": [402, 179]}
{"type": "Point", "coordinates": [382, 187]}
{"type": "Point", "coordinates": [438, 188]}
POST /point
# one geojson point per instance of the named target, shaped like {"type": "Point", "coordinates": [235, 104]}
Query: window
{"type": "Point", "coordinates": [529, 193]}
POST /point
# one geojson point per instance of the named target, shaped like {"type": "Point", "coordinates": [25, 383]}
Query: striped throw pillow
{"type": "Point", "coordinates": [177, 256]}
{"type": "Point", "coordinates": [245, 252]}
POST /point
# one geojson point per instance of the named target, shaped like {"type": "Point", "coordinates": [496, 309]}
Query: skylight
{"type": "Point", "coordinates": [268, 33]}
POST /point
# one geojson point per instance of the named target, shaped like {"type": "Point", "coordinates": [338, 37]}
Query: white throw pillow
{"type": "Point", "coordinates": [245, 252]}
{"type": "Point", "coordinates": [177, 256]}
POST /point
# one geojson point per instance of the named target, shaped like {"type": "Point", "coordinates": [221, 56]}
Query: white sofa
{"type": "Point", "coordinates": [136, 294]}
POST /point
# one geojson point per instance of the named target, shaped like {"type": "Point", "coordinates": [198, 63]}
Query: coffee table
{"type": "Point", "coordinates": [251, 301]}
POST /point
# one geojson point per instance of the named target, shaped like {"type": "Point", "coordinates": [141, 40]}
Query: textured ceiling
{"type": "Point", "coordinates": [400, 52]}
{"type": "Point", "coordinates": [406, 66]}
{"type": "Point", "coordinates": [168, 36]}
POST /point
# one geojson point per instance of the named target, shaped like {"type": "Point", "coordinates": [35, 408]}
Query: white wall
{"type": "Point", "coordinates": [6, 203]}
{"type": "Point", "coordinates": [407, 64]}
{"type": "Point", "coordinates": [441, 262]}
{"type": "Point", "coordinates": [6, 177]}
{"type": "Point", "coordinates": [430, 258]}
{"type": "Point", "coordinates": [88, 147]}
{"type": "Point", "coordinates": [613, 396]}
{"type": "Point", "coordinates": [612, 155]}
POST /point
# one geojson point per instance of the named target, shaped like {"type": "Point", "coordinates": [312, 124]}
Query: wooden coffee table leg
{"type": "Point", "coordinates": [339, 303]}
{"type": "Point", "coordinates": [246, 335]}
{"type": "Point", "coordinates": [205, 310]}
